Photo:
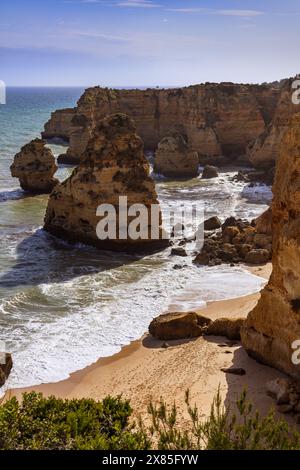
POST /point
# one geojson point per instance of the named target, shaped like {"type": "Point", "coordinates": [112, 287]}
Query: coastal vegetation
{"type": "Point", "coordinates": [39, 423]}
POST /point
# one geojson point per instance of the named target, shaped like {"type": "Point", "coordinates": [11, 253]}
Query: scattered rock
{"type": "Point", "coordinates": [212, 224]}
{"type": "Point", "coordinates": [178, 251]}
{"type": "Point", "coordinates": [279, 389]}
{"type": "Point", "coordinates": [174, 158]}
{"type": "Point", "coordinates": [228, 327]}
{"type": "Point", "coordinates": [285, 409]}
{"type": "Point", "coordinates": [35, 166]}
{"type": "Point", "coordinates": [260, 256]}
{"type": "Point", "coordinates": [209, 172]}
{"type": "Point", "coordinates": [234, 371]}
{"type": "Point", "coordinates": [178, 325]}
{"type": "Point", "coordinates": [6, 364]}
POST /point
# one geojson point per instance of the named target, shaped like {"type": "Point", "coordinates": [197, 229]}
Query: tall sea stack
{"type": "Point", "coordinates": [112, 166]}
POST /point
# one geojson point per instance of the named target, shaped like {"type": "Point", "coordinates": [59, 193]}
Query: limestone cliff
{"type": "Point", "coordinates": [113, 165]}
{"type": "Point", "coordinates": [217, 119]}
{"type": "Point", "coordinates": [173, 157]}
{"type": "Point", "coordinates": [274, 324]}
{"type": "Point", "coordinates": [60, 124]}
{"type": "Point", "coordinates": [35, 166]}
{"type": "Point", "coordinates": [264, 151]}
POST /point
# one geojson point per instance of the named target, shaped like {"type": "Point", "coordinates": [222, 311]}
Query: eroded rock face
{"type": "Point", "coordinates": [113, 165]}
{"type": "Point", "coordinates": [35, 166]}
{"type": "Point", "coordinates": [174, 159]}
{"type": "Point", "coordinates": [178, 325]}
{"type": "Point", "coordinates": [217, 119]}
{"type": "Point", "coordinates": [264, 151]}
{"type": "Point", "coordinates": [274, 324]}
{"type": "Point", "coordinates": [60, 124]}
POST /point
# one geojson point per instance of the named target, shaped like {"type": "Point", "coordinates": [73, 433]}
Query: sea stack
{"type": "Point", "coordinates": [174, 158]}
{"type": "Point", "coordinates": [274, 325]}
{"type": "Point", "coordinates": [112, 166]}
{"type": "Point", "coordinates": [35, 166]}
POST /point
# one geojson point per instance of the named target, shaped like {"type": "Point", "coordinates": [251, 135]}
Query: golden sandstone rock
{"type": "Point", "coordinates": [173, 157]}
{"type": "Point", "coordinates": [217, 119]}
{"type": "Point", "coordinates": [113, 166]}
{"type": "Point", "coordinates": [35, 166]}
{"type": "Point", "coordinates": [274, 325]}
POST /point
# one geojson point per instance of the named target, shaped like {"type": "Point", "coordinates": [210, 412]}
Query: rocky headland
{"type": "Point", "coordinates": [113, 165]}
{"type": "Point", "coordinates": [35, 166]}
{"type": "Point", "coordinates": [219, 121]}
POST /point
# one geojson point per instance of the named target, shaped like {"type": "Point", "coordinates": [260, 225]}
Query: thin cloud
{"type": "Point", "coordinates": [208, 11]}
{"type": "Point", "coordinates": [138, 4]}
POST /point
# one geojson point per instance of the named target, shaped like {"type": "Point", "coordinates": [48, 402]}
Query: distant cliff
{"type": "Point", "coordinates": [274, 324]}
{"type": "Point", "coordinates": [215, 119]}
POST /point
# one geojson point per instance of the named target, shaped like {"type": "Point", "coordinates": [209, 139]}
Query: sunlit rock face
{"type": "Point", "coordinates": [112, 166]}
{"type": "Point", "coordinates": [35, 166]}
{"type": "Point", "coordinates": [217, 119]}
{"type": "Point", "coordinates": [264, 151]}
{"type": "Point", "coordinates": [274, 324]}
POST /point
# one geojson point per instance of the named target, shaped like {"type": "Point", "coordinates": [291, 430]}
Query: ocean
{"type": "Point", "coordinates": [62, 307]}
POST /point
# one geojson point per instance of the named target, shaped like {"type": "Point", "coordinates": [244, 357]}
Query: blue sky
{"type": "Point", "coordinates": [147, 42]}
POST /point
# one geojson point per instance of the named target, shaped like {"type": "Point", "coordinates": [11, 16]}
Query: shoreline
{"type": "Point", "coordinates": [143, 370]}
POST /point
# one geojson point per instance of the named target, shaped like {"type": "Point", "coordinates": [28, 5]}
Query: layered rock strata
{"type": "Point", "coordinates": [173, 157]}
{"type": "Point", "coordinates": [35, 166]}
{"type": "Point", "coordinates": [264, 151]}
{"type": "Point", "coordinates": [217, 119]}
{"type": "Point", "coordinates": [113, 166]}
{"type": "Point", "coordinates": [274, 325]}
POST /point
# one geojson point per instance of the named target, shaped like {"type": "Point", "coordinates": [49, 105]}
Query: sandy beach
{"type": "Point", "coordinates": [145, 371]}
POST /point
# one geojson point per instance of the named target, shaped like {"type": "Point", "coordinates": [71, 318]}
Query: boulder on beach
{"type": "Point", "coordinates": [178, 325]}
{"type": "Point", "coordinates": [35, 166]}
{"type": "Point", "coordinates": [212, 223]}
{"type": "Point", "coordinates": [228, 327]}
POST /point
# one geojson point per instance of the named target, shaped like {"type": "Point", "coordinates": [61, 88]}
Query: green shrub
{"type": "Point", "coordinates": [51, 423]}
{"type": "Point", "coordinates": [222, 430]}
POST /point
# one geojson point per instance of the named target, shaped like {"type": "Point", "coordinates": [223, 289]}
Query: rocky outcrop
{"type": "Point", "coordinates": [6, 364]}
{"type": "Point", "coordinates": [238, 241]}
{"type": "Point", "coordinates": [217, 119]}
{"type": "Point", "coordinates": [228, 327]}
{"type": "Point", "coordinates": [273, 326]}
{"type": "Point", "coordinates": [209, 172]}
{"type": "Point", "coordinates": [174, 159]}
{"type": "Point", "coordinates": [113, 165]}
{"type": "Point", "coordinates": [264, 151]}
{"type": "Point", "coordinates": [59, 125]}
{"type": "Point", "coordinates": [178, 325]}
{"type": "Point", "coordinates": [35, 166]}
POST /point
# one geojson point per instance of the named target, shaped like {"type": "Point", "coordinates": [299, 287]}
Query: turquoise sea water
{"type": "Point", "coordinates": [62, 307]}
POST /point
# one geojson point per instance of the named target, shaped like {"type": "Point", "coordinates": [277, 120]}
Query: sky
{"type": "Point", "coordinates": [147, 42]}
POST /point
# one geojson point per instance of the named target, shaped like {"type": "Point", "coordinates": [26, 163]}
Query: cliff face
{"type": "Point", "coordinates": [113, 165]}
{"type": "Point", "coordinates": [35, 166]}
{"type": "Point", "coordinates": [60, 124]}
{"type": "Point", "coordinates": [264, 151]}
{"type": "Point", "coordinates": [274, 324]}
{"type": "Point", "coordinates": [217, 119]}
{"type": "Point", "coordinates": [173, 157]}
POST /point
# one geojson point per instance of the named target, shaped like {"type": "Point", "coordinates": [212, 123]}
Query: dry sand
{"type": "Point", "coordinates": [145, 370]}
